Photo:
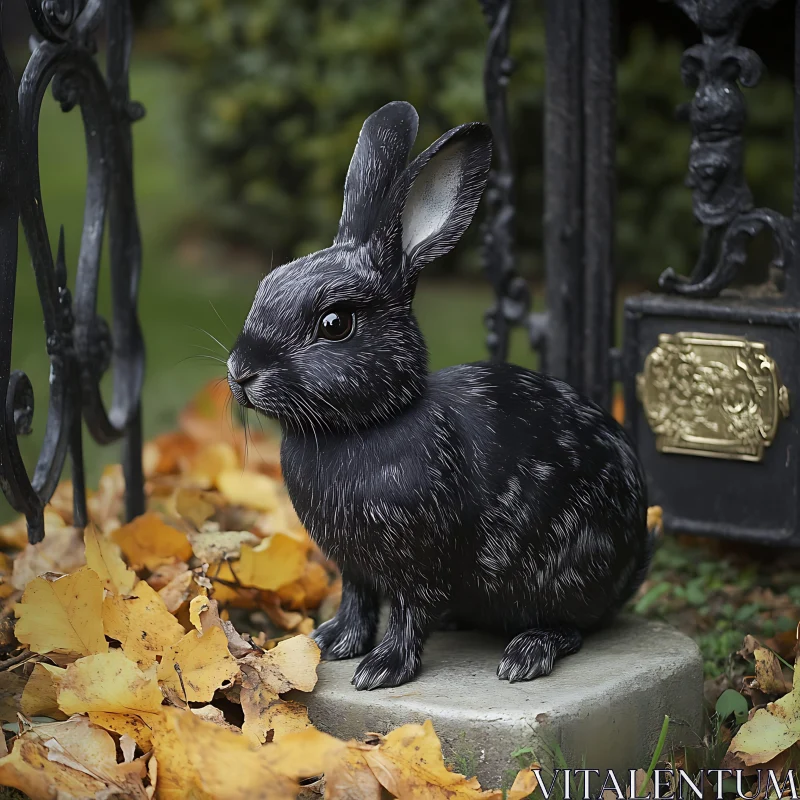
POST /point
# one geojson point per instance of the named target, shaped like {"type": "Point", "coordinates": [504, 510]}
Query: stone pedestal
{"type": "Point", "coordinates": [604, 706]}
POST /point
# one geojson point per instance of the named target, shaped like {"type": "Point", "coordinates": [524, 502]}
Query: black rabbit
{"type": "Point", "coordinates": [485, 491]}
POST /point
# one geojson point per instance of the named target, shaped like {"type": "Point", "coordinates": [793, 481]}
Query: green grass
{"type": "Point", "coordinates": [175, 297]}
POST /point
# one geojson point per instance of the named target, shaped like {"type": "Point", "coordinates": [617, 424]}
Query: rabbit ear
{"type": "Point", "coordinates": [434, 200]}
{"type": "Point", "coordinates": [380, 156]}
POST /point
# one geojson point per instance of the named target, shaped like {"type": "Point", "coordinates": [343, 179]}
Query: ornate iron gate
{"type": "Point", "coordinates": [79, 342]}
{"type": "Point", "coordinates": [709, 371]}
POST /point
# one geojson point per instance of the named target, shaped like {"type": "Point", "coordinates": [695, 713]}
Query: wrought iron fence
{"type": "Point", "coordinates": [80, 344]}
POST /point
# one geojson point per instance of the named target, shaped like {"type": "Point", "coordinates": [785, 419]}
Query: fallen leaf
{"type": "Point", "coordinates": [210, 462]}
{"type": "Point", "coordinates": [141, 623]}
{"type": "Point", "coordinates": [103, 556]}
{"type": "Point", "coordinates": [193, 504]}
{"type": "Point", "coordinates": [108, 682]}
{"type": "Point", "coordinates": [62, 615]}
{"type": "Point", "coordinates": [149, 542]}
{"type": "Point", "coordinates": [196, 759]}
{"type": "Point", "coordinates": [409, 763]}
{"type": "Point", "coordinates": [173, 449]}
{"type": "Point", "coordinates": [60, 551]}
{"type": "Point", "coordinates": [213, 714]}
{"type": "Point", "coordinates": [178, 591]}
{"type": "Point", "coordinates": [309, 590]}
{"type": "Point", "coordinates": [135, 726]}
{"type": "Point", "coordinates": [196, 607]}
{"type": "Point", "coordinates": [211, 548]}
{"type": "Point", "coordinates": [277, 560]}
{"type": "Point", "coordinates": [525, 783]}
{"type": "Point", "coordinates": [251, 489]}
{"type": "Point", "coordinates": [106, 504]}
{"type": "Point", "coordinates": [83, 746]}
{"type": "Point", "coordinates": [769, 676]}
{"type": "Point", "coordinates": [205, 665]}
{"type": "Point", "coordinates": [290, 665]}
{"type": "Point", "coordinates": [264, 711]}
{"type": "Point", "coordinates": [40, 696]}
{"type": "Point", "coordinates": [349, 777]}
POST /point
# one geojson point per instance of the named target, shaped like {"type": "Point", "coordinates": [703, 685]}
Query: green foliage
{"type": "Point", "coordinates": [278, 92]}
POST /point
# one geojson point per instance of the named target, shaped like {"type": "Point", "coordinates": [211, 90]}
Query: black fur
{"type": "Point", "coordinates": [485, 491]}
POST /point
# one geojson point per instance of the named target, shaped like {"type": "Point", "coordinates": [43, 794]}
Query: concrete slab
{"type": "Point", "coordinates": [603, 706]}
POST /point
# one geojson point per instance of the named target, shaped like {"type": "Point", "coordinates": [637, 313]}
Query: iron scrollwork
{"type": "Point", "coordinates": [512, 297]}
{"type": "Point", "coordinates": [79, 342]}
{"type": "Point", "coordinates": [721, 198]}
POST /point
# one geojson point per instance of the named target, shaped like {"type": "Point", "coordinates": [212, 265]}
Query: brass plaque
{"type": "Point", "coordinates": [709, 395]}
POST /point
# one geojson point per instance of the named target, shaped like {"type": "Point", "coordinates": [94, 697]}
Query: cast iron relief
{"type": "Point", "coordinates": [79, 342]}
{"type": "Point", "coordinates": [512, 297]}
{"type": "Point", "coordinates": [718, 396]}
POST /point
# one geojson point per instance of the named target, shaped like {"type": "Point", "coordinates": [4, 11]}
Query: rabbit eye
{"type": "Point", "coordinates": [336, 326]}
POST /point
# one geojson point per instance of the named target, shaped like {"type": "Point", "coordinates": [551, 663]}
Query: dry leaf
{"type": "Point", "coordinates": [61, 551]}
{"type": "Point", "coordinates": [103, 556]}
{"type": "Point", "coordinates": [173, 449]}
{"type": "Point", "coordinates": [277, 560]}
{"type": "Point", "coordinates": [192, 504]}
{"type": "Point", "coordinates": [210, 462]}
{"type": "Point", "coordinates": [290, 665]}
{"type": "Point", "coordinates": [149, 542]}
{"type": "Point", "coordinates": [251, 489]}
{"type": "Point", "coordinates": [264, 711]}
{"type": "Point", "coordinates": [769, 676]}
{"type": "Point", "coordinates": [349, 777]}
{"type": "Point", "coordinates": [201, 760]}
{"type": "Point", "coordinates": [108, 682]}
{"type": "Point", "coordinates": [205, 665]}
{"type": "Point", "coordinates": [39, 698]}
{"type": "Point", "coordinates": [309, 590]}
{"type": "Point", "coordinates": [211, 548]}
{"type": "Point", "coordinates": [525, 783]}
{"type": "Point", "coordinates": [178, 590]}
{"type": "Point", "coordinates": [409, 763]}
{"type": "Point", "coordinates": [62, 615]}
{"type": "Point", "coordinates": [135, 726]}
{"type": "Point", "coordinates": [141, 623]}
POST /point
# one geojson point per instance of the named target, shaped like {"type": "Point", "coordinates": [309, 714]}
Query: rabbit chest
{"type": "Point", "coordinates": [381, 499]}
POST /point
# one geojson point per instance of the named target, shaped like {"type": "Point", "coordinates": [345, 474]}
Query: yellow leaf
{"type": "Point", "coordinates": [210, 462]}
{"type": "Point", "coordinates": [141, 624]}
{"type": "Point", "coordinates": [137, 726]}
{"type": "Point", "coordinates": [264, 711]}
{"type": "Point", "coordinates": [61, 551]}
{"type": "Point", "coordinates": [290, 665]}
{"type": "Point", "coordinates": [39, 698]}
{"type": "Point", "coordinates": [103, 556]}
{"type": "Point", "coordinates": [192, 504]}
{"type": "Point", "coordinates": [349, 777]}
{"type": "Point", "coordinates": [196, 607]}
{"type": "Point", "coordinates": [178, 591]}
{"type": "Point", "coordinates": [251, 489]}
{"type": "Point", "coordinates": [29, 769]}
{"type": "Point", "coordinates": [524, 784]}
{"type": "Point", "coordinates": [309, 590]}
{"type": "Point", "coordinates": [149, 542]}
{"type": "Point", "coordinates": [205, 665]}
{"type": "Point", "coordinates": [108, 682]}
{"type": "Point", "coordinates": [409, 763]}
{"type": "Point", "coordinates": [211, 548]}
{"type": "Point", "coordinates": [63, 615]}
{"type": "Point", "coordinates": [278, 560]}
{"type": "Point", "coordinates": [203, 761]}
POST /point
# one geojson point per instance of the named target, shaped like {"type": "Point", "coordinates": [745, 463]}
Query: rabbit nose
{"type": "Point", "coordinates": [239, 387]}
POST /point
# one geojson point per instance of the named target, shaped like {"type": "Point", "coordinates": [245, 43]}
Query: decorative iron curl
{"type": "Point", "coordinates": [512, 297]}
{"type": "Point", "coordinates": [721, 199]}
{"type": "Point", "coordinates": [79, 342]}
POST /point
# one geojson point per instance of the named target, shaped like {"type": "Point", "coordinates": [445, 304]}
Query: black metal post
{"type": "Point", "coordinates": [599, 108]}
{"type": "Point", "coordinates": [564, 190]}
{"type": "Point", "coordinates": [79, 342]}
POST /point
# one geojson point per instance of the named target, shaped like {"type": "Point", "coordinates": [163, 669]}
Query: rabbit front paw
{"type": "Point", "coordinates": [344, 637]}
{"type": "Point", "coordinates": [532, 654]}
{"type": "Point", "coordinates": [386, 666]}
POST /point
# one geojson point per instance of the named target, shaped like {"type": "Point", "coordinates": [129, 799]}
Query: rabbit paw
{"type": "Point", "coordinates": [533, 653]}
{"type": "Point", "coordinates": [338, 638]}
{"type": "Point", "coordinates": [386, 666]}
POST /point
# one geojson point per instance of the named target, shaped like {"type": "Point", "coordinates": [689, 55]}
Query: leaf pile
{"type": "Point", "coordinates": [151, 659]}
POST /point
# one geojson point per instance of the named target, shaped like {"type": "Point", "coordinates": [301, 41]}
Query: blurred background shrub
{"type": "Point", "coordinates": [278, 92]}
